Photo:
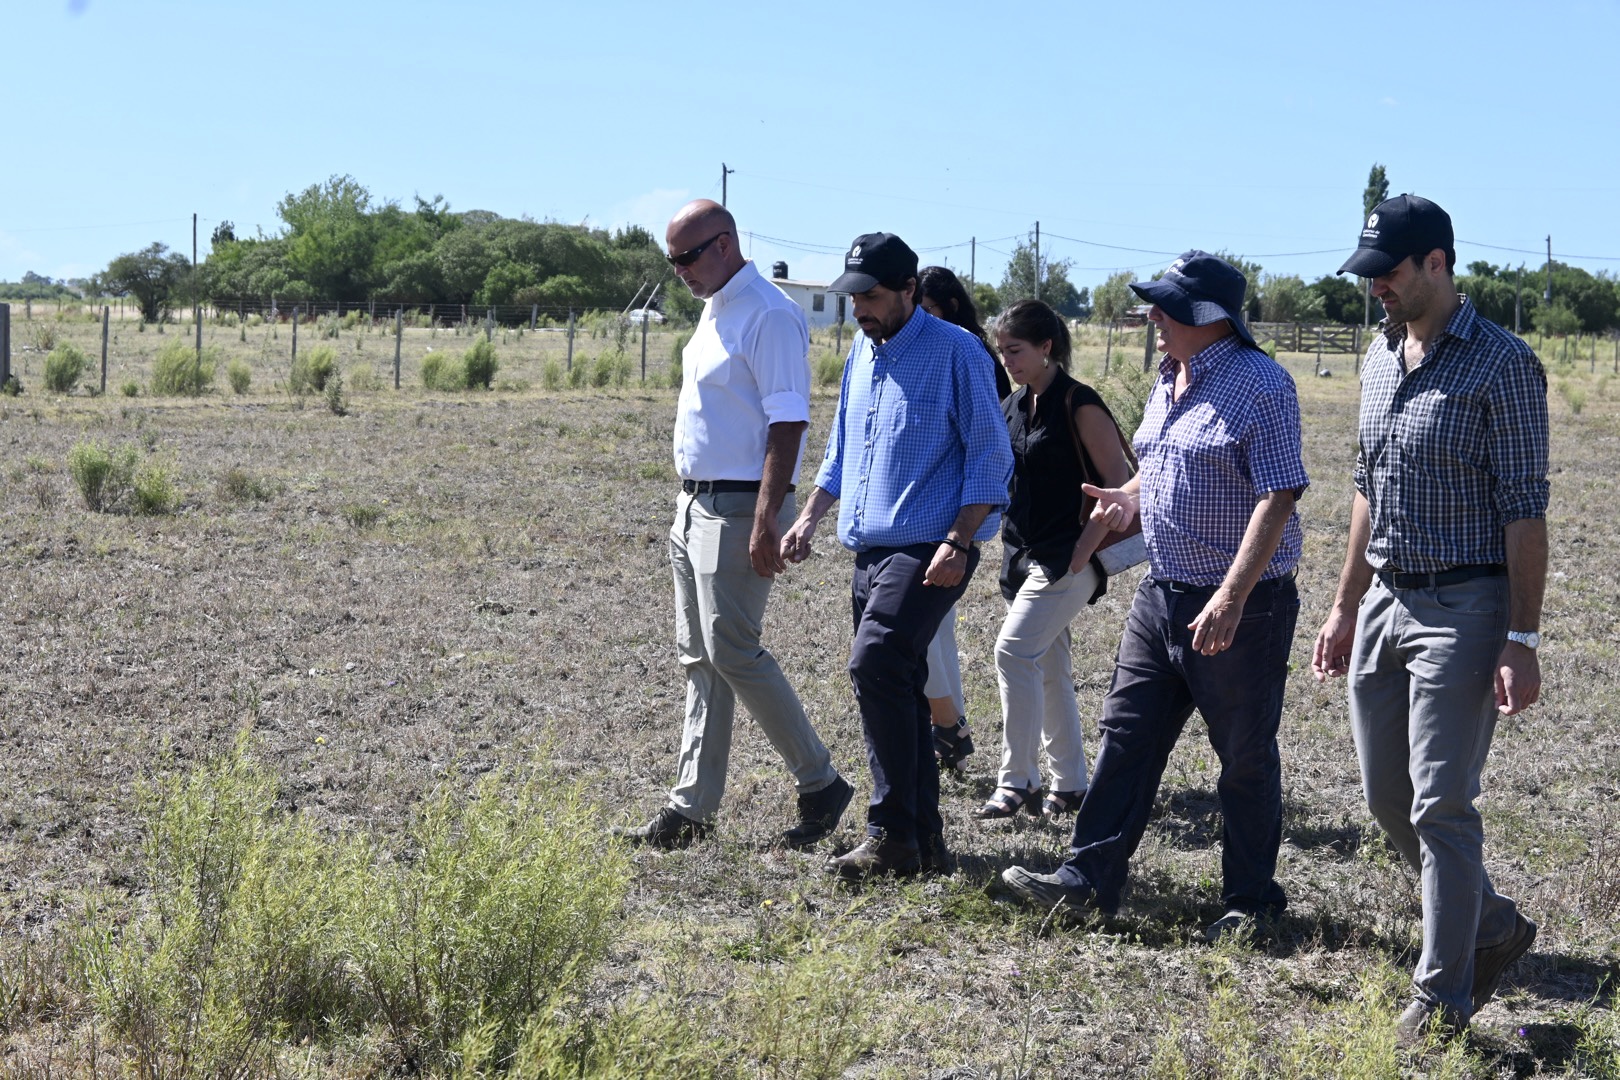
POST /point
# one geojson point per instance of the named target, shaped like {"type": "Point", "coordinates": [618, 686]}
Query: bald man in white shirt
{"type": "Point", "coordinates": [739, 434]}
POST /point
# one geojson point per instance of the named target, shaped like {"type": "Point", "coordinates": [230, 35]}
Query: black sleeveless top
{"type": "Point", "coordinates": [1046, 508]}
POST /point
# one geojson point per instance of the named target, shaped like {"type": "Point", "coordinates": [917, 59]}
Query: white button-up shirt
{"type": "Point", "coordinates": [747, 367]}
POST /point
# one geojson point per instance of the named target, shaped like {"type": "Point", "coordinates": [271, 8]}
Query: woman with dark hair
{"type": "Point", "coordinates": [941, 294]}
{"type": "Point", "coordinates": [1062, 434]}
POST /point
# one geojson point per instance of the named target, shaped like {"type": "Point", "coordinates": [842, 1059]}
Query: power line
{"type": "Point", "coordinates": [1537, 251]}
{"type": "Point", "coordinates": [78, 228]}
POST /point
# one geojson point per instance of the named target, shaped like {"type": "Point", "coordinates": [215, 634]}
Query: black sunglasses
{"type": "Point", "coordinates": [692, 255]}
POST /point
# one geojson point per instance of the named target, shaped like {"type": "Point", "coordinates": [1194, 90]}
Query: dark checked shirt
{"type": "Point", "coordinates": [1209, 458]}
{"type": "Point", "coordinates": [1452, 450]}
{"type": "Point", "coordinates": [918, 435]}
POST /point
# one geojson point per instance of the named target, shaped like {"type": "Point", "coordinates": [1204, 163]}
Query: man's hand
{"type": "Point", "coordinates": [765, 547]}
{"type": "Point", "coordinates": [1518, 678]}
{"type": "Point", "coordinates": [795, 546]}
{"type": "Point", "coordinates": [1331, 656]}
{"type": "Point", "coordinates": [946, 568]}
{"type": "Point", "coordinates": [1115, 507]}
{"type": "Point", "coordinates": [1216, 626]}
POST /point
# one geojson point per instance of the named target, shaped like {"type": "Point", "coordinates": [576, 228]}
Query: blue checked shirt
{"type": "Point", "coordinates": [918, 435]}
{"type": "Point", "coordinates": [1452, 450]}
{"type": "Point", "coordinates": [1207, 460]}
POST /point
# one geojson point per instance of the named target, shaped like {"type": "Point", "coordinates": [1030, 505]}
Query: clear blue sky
{"type": "Point", "coordinates": [1249, 127]}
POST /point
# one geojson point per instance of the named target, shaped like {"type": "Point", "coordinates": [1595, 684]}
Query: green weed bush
{"type": "Point", "coordinates": [364, 378]}
{"type": "Point", "coordinates": [64, 367]}
{"type": "Point", "coordinates": [579, 374]}
{"type": "Point", "coordinates": [353, 319]}
{"type": "Point", "coordinates": [610, 369]}
{"type": "Point", "coordinates": [480, 364]}
{"type": "Point", "coordinates": [361, 515]}
{"type": "Point", "coordinates": [179, 372]}
{"type": "Point", "coordinates": [312, 370]}
{"type": "Point", "coordinates": [829, 368]}
{"type": "Point", "coordinates": [239, 375]}
{"type": "Point", "coordinates": [130, 388]}
{"type": "Point", "coordinates": [102, 476]}
{"type": "Point", "coordinates": [238, 485]}
{"type": "Point", "coordinates": [441, 371]}
{"type": "Point", "coordinates": [336, 403]}
{"type": "Point", "coordinates": [152, 491]}
{"type": "Point", "coordinates": [551, 376]}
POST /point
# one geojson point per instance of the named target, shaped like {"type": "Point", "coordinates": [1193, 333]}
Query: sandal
{"type": "Point", "coordinates": [1059, 803]}
{"type": "Point", "coordinates": [1006, 803]}
{"type": "Point", "coordinates": [952, 744]}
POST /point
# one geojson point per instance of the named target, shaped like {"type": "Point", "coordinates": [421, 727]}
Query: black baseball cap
{"type": "Point", "coordinates": [1199, 289]}
{"type": "Point", "coordinates": [1397, 228]}
{"type": "Point", "coordinates": [873, 259]}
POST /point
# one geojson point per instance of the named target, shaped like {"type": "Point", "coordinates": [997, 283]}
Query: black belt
{"type": "Point", "coordinates": [1396, 579]}
{"type": "Point", "coordinates": [1184, 587]}
{"type": "Point", "coordinates": [720, 487]}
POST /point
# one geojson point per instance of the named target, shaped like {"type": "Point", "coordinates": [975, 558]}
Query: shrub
{"type": "Point", "coordinates": [674, 373]}
{"type": "Point", "coordinates": [579, 373]}
{"type": "Point", "coordinates": [829, 369]}
{"type": "Point", "coordinates": [130, 388]}
{"type": "Point", "coordinates": [103, 477]}
{"type": "Point", "coordinates": [364, 378]}
{"type": "Point", "coordinates": [353, 319]}
{"type": "Point", "coordinates": [238, 485]}
{"type": "Point", "coordinates": [443, 372]}
{"type": "Point", "coordinates": [153, 489]}
{"type": "Point", "coordinates": [336, 403]}
{"type": "Point", "coordinates": [361, 515]}
{"type": "Point", "coordinates": [240, 376]}
{"type": "Point", "coordinates": [179, 372]}
{"type": "Point", "coordinates": [44, 335]}
{"type": "Point", "coordinates": [64, 367]}
{"type": "Point", "coordinates": [551, 376]}
{"type": "Point", "coordinates": [610, 368]}
{"type": "Point", "coordinates": [479, 364]}
{"type": "Point", "coordinates": [311, 371]}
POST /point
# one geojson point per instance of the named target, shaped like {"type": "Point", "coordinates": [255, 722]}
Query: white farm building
{"type": "Point", "coordinates": [821, 308]}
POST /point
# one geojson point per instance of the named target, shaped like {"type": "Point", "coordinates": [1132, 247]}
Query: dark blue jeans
{"type": "Point", "coordinates": [1158, 680]}
{"type": "Point", "coordinates": [896, 616]}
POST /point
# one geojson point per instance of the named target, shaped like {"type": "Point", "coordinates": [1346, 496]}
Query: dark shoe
{"type": "Point", "coordinates": [1240, 925]}
{"type": "Point", "coordinates": [1424, 1020]}
{"type": "Point", "coordinates": [936, 857]}
{"type": "Point", "coordinates": [1492, 962]}
{"type": "Point", "coordinates": [1048, 892]}
{"type": "Point", "coordinates": [952, 744]}
{"type": "Point", "coordinates": [670, 829]}
{"type": "Point", "coordinates": [877, 857]}
{"type": "Point", "coordinates": [1006, 803]}
{"type": "Point", "coordinates": [1061, 803]}
{"type": "Point", "coordinates": [819, 812]}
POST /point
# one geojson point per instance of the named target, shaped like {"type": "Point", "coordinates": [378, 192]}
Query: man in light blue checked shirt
{"type": "Point", "coordinates": [1212, 623]}
{"type": "Point", "coordinates": [919, 461]}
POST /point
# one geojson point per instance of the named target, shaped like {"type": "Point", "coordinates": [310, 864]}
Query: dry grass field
{"type": "Point", "coordinates": [437, 586]}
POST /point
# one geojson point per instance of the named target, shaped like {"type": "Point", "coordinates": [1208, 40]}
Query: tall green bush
{"type": "Point", "coordinates": [479, 364]}
{"type": "Point", "coordinates": [102, 476]}
{"type": "Point", "coordinates": [179, 372]}
{"type": "Point", "coordinates": [64, 367]}
{"type": "Point", "coordinates": [312, 369]}
{"type": "Point", "coordinates": [240, 376]}
{"type": "Point", "coordinates": [441, 371]}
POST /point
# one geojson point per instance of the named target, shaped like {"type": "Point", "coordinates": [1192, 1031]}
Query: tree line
{"type": "Point", "coordinates": [338, 243]}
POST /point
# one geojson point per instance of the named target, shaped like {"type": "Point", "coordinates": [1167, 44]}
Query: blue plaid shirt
{"type": "Point", "coordinates": [918, 435]}
{"type": "Point", "coordinates": [1453, 449]}
{"type": "Point", "coordinates": [1207, 460]}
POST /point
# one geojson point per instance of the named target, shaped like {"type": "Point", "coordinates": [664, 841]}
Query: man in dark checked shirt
{"type": "Point", "coordinates": [1439, 603]}
{"type": "Point", "coordinates": [1212, 623]}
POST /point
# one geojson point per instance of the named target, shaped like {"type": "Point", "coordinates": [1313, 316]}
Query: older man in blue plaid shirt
{"type": "Point", "coordinates": [1212, 623]}
{"type": "Point", "coordinates": [919, 462]}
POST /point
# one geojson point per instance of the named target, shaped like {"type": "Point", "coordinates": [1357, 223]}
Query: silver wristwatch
{"type": "Point", "coordinates": [1528, 638]}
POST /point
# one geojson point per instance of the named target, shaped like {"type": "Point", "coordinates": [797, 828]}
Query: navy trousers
{"type": "Point", "coordinates": [896, 616]}
{"type": "Point", "coordinates": [1158, 680]}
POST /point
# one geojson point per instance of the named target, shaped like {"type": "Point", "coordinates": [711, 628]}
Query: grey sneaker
{"type": "Point", "coordinates": [670, 829]}
{"type": "Point", "coordinates": [1424, 1020]}
{"type": "Point", "coordinates": [1234, 924]}
{"type": "Point", "coordinates": [819, 812]}
{"type": "Point", "coordinates": [1048, 892]}
{"type": "Point", "coordinates": [1492, 962]}
{"type": "Point", "coordinates": [877, 857]}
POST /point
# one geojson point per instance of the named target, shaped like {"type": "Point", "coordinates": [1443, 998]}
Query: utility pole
{"type": "Point", "coordinates": [1518, 298]}
{"type": "Point", "coordinates": [973, 258]}
{"type": "Point", "coordinates": [196, 293]}
{"type": "Point", "coordinates": [1037, 260]}
{"type": "Point", "coordinates": [724, 172]}
{"type": "Point", "coordinates": [1548, 297]}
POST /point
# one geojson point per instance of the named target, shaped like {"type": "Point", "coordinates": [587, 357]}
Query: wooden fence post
{"type": "Point", "coordinates": [1318, 350]}
{"type": "Point", "coordinates": [399, 331]}
{"type": "Point", "coordinates": [5, 344]}
{"type": "Point", "coordinates": [570, 339]}
{"type": "Point", "coordinates": [534, 315]}
{"type": "Point", "coordinates": [644, 321]}
{"type": "Point", "coordinates": [1108, 349]}
{"type": "Point", "coordinates": [106, 313]}
{"type": "Point", "coordinates": [295, 334]}
{"type": "Point", "coordinates": [1147, 349]}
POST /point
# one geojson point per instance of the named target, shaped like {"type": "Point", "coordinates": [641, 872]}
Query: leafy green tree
{"type": "Point", "coordinates": [331, 237]}
{"type": "Point", "coordinates": [1341, 300]}
{"type": "Point", "coordinates": [986, 299]}
{"type": "Point", "coordinates": [1113, 299]}
{"type": "Point", "coordinates": [1376, 191]}
{"type": "Point", "coordinates": [1286, 298]}
{"type": "Point", "coordinates": [1018, 282]}
{"type": "Point", "coordinates": [153, 276]}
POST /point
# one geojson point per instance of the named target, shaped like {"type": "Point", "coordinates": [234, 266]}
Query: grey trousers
{"type": "Point", "coordinates": [1423, 710]}
{"type": "Point", "coordinates": [719, 608]}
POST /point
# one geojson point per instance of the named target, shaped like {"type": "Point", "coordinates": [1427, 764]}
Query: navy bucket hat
{"type": "Point", "coordinates": [1199, 289]}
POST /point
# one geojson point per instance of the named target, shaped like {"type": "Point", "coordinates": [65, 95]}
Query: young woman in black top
{"type": "Point", "coordinates": [1048, 575]}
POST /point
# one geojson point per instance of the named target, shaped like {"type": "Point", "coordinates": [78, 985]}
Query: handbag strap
{"type": "Point", "coordinates": [1079, 447]}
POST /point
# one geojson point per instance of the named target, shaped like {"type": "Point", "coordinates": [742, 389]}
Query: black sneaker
{"type": "Point", "coordinates": [819, 812]}
{"type": "Point", "coordinates": [1492, 962]}
{"type": "Point", "coordinates": [670, 829]}
{"type": "Point", "coordinates": [877, 857]}
{"type": "Point", "coordinates": [952, 744]}
{"type": "Point", "coordinates": [936, 857]}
